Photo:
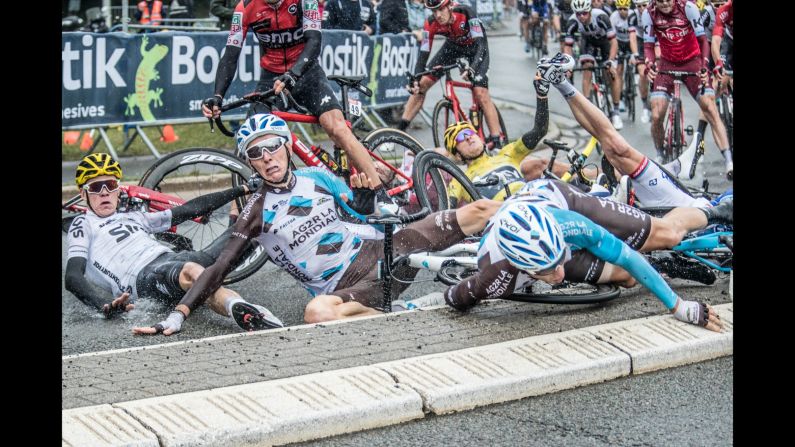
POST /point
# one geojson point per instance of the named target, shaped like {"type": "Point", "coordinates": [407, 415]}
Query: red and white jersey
{"type": "Point", "coordinates": [279, 28]}
{"type": "Point", "coordinates": [724, 20]}
{"type": "Point", "coordinates": [676, 32]}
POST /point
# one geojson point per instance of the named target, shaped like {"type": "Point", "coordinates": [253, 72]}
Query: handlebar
{"type": "Point", "coordinates": [396, 220]}
{"type": "Point", "coordinates": [683, 74]}
{"type": "Point", "coordinates": [265, 97]}
{"type": "Point", "coordinates": [462, 64]}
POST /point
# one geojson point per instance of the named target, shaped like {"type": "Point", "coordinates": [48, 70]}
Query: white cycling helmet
{"type": "Point", "coordinates": [640, 2]}
{"type": "Point", "coordinates": [581, 5]}
{"type": "Point", "coordinates": [261, 124]}
{"type": "Point", "coordinates": [528, 236]}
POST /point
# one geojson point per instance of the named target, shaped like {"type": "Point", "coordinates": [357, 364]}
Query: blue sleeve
{"type": "Point", "coordinates": [582, 232]}
{"type": "Point", "coordinates": [333, 184]}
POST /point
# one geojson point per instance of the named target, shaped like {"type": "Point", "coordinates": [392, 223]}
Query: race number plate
{"type": "Point", "coordinates": [355, 107]}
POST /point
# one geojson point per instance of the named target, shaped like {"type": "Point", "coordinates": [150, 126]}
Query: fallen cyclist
{"type": "Point", "coordinates": [112, 259]}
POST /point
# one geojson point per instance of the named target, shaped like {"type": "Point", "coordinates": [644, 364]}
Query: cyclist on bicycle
{"type": "Point", "coordinates": [524, 22]}
{"type": "Point", "coordinates": [683, 47]}
{"type": "Point", "coordinates": [303, 220]}
{"type": "Point", "coordinates": [465, 38]}
{"type": "Point", "coordinates": [549, 230]}
{"type": "Point", "coordinates": [565, 12]}
{"type": "Point", "coordinates": [539, 15]}
{"type": "Point", "coordinates": [723, 49]}
{"type": "Point", "coordinates": [643, 81]}
{"type": "Point", "coordinates": [112, 258]}
{"type": "Point", "coordinates": [652, 186]}
{"type": "Point", "coordinates": [599, 42]}
{"type": "Point", "coordinates": [625, 23]}
{"type": "Point", "coordinates": [289, 38]}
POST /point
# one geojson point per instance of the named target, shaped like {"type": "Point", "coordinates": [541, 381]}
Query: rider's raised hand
{"type": "Point", "coordinates": [541, 86]}
{"type": "Point", "coordinates": [170, 325]}
{"type": "Point", "coordinates": [211, 107]}
{"type": "Point", "coordinates": [118, 305]}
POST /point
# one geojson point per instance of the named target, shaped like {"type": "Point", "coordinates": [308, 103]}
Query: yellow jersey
{"type": "Point", "coordinates": [505, 165]}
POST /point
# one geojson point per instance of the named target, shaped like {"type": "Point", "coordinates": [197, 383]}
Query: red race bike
{"type": "Point", "coordinates": [449, 110]}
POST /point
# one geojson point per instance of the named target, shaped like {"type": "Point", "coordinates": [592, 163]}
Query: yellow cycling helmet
{"type": "Point", "coordinates": [623, 3]}
{"type": "Point", "coordinates": [94, 165]}
{"type": "Point", "coordinates": [452, 131]}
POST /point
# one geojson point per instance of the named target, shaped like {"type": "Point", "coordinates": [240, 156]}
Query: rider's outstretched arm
{"type": "Point", "coordinates": [247, 226]}
{"type": "Point", "coordinates": [202, 205]}
{"type": "Point", "coordinates": [310, 52]}
{"type": "Point", "coordinates": [583, 232]}
{"type": "Point", "coordinates": [226, 70]}
{"type": "Point", "coordinates": [75, 281]}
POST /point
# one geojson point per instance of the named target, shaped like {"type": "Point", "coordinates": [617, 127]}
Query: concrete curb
{"type": "Point", "coordinates": [347, 400]}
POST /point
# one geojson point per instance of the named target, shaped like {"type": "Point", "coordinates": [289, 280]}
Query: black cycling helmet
{"type": "Point", "coordinates": [435, 4]}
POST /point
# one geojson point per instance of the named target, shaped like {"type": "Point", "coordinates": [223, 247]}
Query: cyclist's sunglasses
{"type": "Point", "coordinates": [463, 135]}
{"type": "Point", "coordinates": [271, 146]}
{"type": "Point", "coordinates": [96, 187]}
{"type": "Point", "coordinates": [582, 14]}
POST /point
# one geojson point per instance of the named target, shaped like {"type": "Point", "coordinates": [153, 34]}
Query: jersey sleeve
{"type": "Point", "coordinates": [582, 232]}
{"type": "Point", "coordinates": [332, 184]}
{"type": "Point", "coordinates": [474, 24]}
{"type": "Point", "coordinates": [632, 22]}
{"type": "Point", "coordinates": [154, 222]}
{"type": "Point", "coordinates": [571, 28]}
{"type": "Point", "coordinates": [78, 238]}
{"type": "Point", "coordinates": [516, 151]}
{"type": "Point", "coordinates": [602, 21]}
{"type": "Point", "coordinates": [694, 17]}
{"type": "Point", "coordinates": [427, 36]}
{"type": "Point", "coordinates": [312, 18]}
{"type": "Point", "coordinates": [648, 28]}
{"type": "Point", "coordinates": [720, 20]}
{"type": "Point", "coordinates": [238, 28]}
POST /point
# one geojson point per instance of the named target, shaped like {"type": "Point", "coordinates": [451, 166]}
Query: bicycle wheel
{"type": "Point", "coordinates": [539, 291]}
{"type": "Point", "coordinates": [443, 116]}
{"type": "Point", "coordinates": [678, 131]}
{"type": "Point", "coordinates": [398, 149]}
{"type": "Point", "coordinates": [437, 173]}
{"type": "Point", "coordinates": [668, 134]}
{"type": "Point", "coordinates": [193, 172]}
{"type": "Point", "coordinates": [629, 90]}
{"type": "Point", "coordinates": [726, 115]}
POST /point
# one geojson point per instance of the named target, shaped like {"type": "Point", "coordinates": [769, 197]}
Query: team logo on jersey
{"type": "Point", "coordinates": [329, 244]}
{"type": "Point", "coordinates": [300, 206]}
{"type": "Point", "coordinates": [676, 34]}
{"type": "Point", "coordinates": [474, 26]}
{"type": "Point", "coordinates": [293, 9]}
{"type": "Point", "coordinates": [325, 99]}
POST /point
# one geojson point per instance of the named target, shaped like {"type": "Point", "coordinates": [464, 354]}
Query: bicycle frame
{"type": "Point", "coordinates": [674, 140]}
{"type": "Point", "coordinates": [315, 156]}
{"type": "Point", "coordinates": [474, 110]}
{"type": "Point", "coordinates": [708, 243]}
{"type": "Point", "coordinates": [577, 160]}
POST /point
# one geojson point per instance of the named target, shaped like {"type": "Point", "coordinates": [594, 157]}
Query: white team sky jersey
{"type": "Point", "coordinates": [623, 26]}
{"type": "Point", "coordinates": [117, 247]}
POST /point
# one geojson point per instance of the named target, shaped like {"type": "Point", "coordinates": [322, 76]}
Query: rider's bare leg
{"type": "Point", "coordinates": [333, 122]}
{"type": "Point", "coordinates": [415, 101]}
{"type": "Point", "coordinates": [481, 95]}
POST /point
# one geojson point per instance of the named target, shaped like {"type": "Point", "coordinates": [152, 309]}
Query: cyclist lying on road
{"type": "Point", "coordinates": [544, 233]}
{"type": "Point", "coordinates": [294, 215]}
{"type": "Point", "coordinates": [113, 251]}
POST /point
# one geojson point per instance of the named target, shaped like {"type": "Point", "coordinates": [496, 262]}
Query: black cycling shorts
{"type": "Point", "coordinates": [450, 52]}
{"type": "Point", "coordinates": [312, 91]}
{"type": "Point", "coordinates": [160, 278]}
{"type": "Point", "coordinates": [360, 282]}
{"type": "Point", "coordinates": [594, 49]}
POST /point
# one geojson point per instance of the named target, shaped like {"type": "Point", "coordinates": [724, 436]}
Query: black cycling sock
{"type": "Point", "coordinates": [702, 127]}
{"type": "Point", "coordinates": [404, 124]}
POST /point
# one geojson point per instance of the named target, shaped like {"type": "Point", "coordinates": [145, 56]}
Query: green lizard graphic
{"type": "Point", "coordinates": [373, 84]}
{"type": "Point", "coordinates": [143, 76]}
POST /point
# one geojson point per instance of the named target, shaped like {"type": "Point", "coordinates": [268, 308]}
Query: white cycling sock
{"type": "Point", "coordinates": [231, 302]}
{"type": "Point", "coordinates": [653, 188]}
{"type": "Point", "coordinates": [566, 89]}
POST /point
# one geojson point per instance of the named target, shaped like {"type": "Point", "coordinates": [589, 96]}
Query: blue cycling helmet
{"type": "Point", "coordinates": [258, 125]}
{"type": "Point", "coordinates": [528, 236]}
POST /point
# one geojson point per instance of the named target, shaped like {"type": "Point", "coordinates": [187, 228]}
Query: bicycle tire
{"type": "Point", "coordinates": [443, 116]}
{"type": "Point", "coordinates": [390, 145]}
{"type": "Point", "coordinates": [678, 141]}
{"type": "Point", "coordinates": [668, 128]}
{"type": "Point", "coordinates": [629, 88]}
{"type": "Point", "coordinates": [169, 175]}
{"type": "Point", "coordinates": [540, 292]}
{"type": "Point", "coordinates": [429, 163]}
{"type": "Point", "coordinates": [727, 117]}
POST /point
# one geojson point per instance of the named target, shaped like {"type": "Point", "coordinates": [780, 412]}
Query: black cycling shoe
{"type": "Point", "coordinates": [721, 213]}
{"type": "Point", "coordinates": [251, 318]}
